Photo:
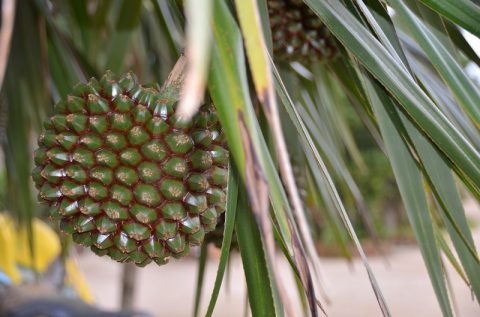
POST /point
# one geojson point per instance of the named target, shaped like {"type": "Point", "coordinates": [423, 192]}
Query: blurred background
{"type": "Point", "coordinates": [56, 44]}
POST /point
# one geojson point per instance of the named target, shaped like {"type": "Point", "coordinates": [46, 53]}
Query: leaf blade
{"type": "Point", "coordinates": [410, 184]}
{"type": "Point", "coordinates": [420, 108]}
{"type": "Point", "coordinates": [462, 12]}
{"type": "Point", "coordinates": [231, 211]}
{"type": "Point", "coordinates": [259, 283]}
{"type": "Point", "coordinates": [462, 87]}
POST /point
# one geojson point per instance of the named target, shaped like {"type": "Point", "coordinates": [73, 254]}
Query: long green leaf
{"type": "Point", "coordinates": [202, 261]}
{"type": "Point", "coordinates": [358, 40]}
{"type": "Point", "coordinates": [452, 212]}
{"type": "Point", "coordinates": [380, 23]}
{"type": "Point", "coordinates": [443, 98]}
{"type": "Point", "coordinates": [231, 211]}
{"type": "Point", "coordinates": [24, 103]}
{"type": "Point", "coordinates": [341, 124]}
{"type": "Point", "coordinates": [462, 87]}
{"type": "Point", "coordinates": [259, 282]}
{"type": "Point", "coordinates": [65, 70]}
{"type": "Point", "coordinates": [167, 27]}
{"type": "Point", "coordinates": [101, 14]}
{"type": "Point", "coordinates": [313, 122]}
{"type": "Point", "coordinates": [259, 62]}
{"type": "Point", "coordinates": [331, 217]}
{"type": "Point", "coordinates": [436, 170]}
{"type": "Point", "coordinates": [120, 43]}
{"type": "Point", "coordinates": [229, 90]}
{"type": "Point", "coordinates": [327, 179]}
{"type": "Point", "coordinates": [381, 16]}
{"type": "Point", "coordinates": [129, 15]}
{"type": "Point", "coordinates": [435, 24]}
{"type": "Point", "coordinates": [463, 12]}
{"type": "Point", "coordinates": [255, 46]}
{"type": "Point", "coordinates": [331, 123]}
{"type": "Point", "coordinates": [460, 42]}
{"type": "Point", "coordinates": [449, 254]}
{"type": "Point", "coordinates": [409, 180]}
{"type": "Point", "coordinates": [267, 31]}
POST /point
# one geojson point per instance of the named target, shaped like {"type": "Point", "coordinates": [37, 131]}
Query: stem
{"type": "Point", "coordinates": [128, 285]}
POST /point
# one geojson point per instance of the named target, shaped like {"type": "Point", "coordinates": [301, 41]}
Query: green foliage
{"type": "Point", "coordinates": [399, 76]}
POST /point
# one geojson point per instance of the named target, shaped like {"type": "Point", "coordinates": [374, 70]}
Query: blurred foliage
{"type": "Point", "coordinates": [377, 184]}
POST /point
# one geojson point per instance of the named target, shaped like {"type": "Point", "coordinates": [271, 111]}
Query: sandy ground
{"type": "Point", "coordinates": [169, 290]}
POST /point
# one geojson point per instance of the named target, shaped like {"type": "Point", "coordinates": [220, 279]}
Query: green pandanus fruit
{"type": "Point", "coordinates": [125, 177]}
{"type": "Point", "coordinates": [298, 34]}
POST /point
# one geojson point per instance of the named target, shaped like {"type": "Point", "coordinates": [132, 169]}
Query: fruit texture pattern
{"type": "Point", "coordinates": [298, 34]}
{"type": "Point", "coordinates": [125, 177]}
